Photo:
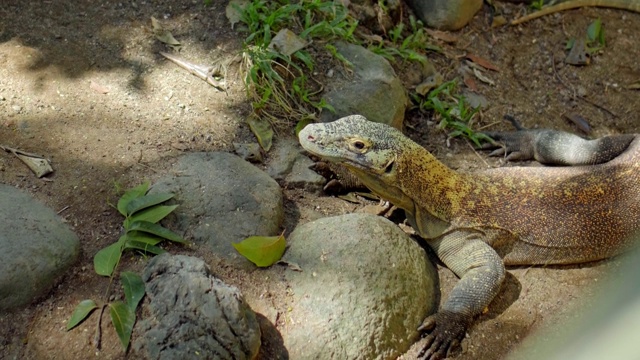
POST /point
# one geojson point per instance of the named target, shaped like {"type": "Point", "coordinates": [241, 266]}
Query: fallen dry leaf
{"type": "Point", "coordinates": [470, 81]}
{"type": "Point", "coordinates": [98, 88]}
{"type": "Point", "coordinates": [442, 36]}
{"type": "Point", "coordinates": [633, 86]}
{"type": "Point", "coordinates": [162, 34]}
{"type": "Point", "coordinates": [482, 62]}
{"type": "Point", "coordinates": [483, 77]}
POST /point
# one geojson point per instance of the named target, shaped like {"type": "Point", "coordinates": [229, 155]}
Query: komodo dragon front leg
{"type": "Point", "coordinates": [481, 272]}
{"type": "Point", "coordinates": [554, 147]}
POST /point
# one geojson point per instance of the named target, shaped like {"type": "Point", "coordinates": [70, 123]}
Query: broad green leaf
{"type": "Point", "coordinates": [131, 194]}
{"type": "Point", "coordinates": [81, 312]}
{"type": "Point", "coordinates": [106, 259]}
{"type": "Point", "coordinates": [262, 250]}
{"type": "Point", "coordinates": [146, 201]}
{"type": "Point", "coordinates": [123, 319]}
{"type": "Point", "coordinates": [143, 237]}
{"type": "Point", "coordinates": [594, 29]}
{"type": "Point", "coordinates": [138, 245]}
{"type": "Point", "coordinates": [261, 128]}
{"type": "Point", "coordinates": [155, 229]}
{"type": "Point", "coordinates": [152, 214]}
{"type": "Point", "coordinates": [133, 288]}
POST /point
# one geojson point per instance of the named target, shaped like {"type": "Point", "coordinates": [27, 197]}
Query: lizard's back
{"type": "Point", "coordinates": [561, 215]}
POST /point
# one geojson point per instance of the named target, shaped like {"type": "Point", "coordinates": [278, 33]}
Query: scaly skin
{"type": "Point", "coordinates": [477, 223]}
{"type": "Point", "coordinates": [631, 5]}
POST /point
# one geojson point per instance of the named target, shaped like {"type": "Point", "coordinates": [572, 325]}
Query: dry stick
{"type": "Point", "coordinates": [615, 4]}
{"type": "Point", "coordinates": [98, 336]}
{"type": "Point", "coordinates": [63, 209]}
{"type": "Point", "coordinates": [478, 155]}
{"type": "Point", "coordinates": [17, 151]}
{"type": "Point", "coordinates": [573, 92]}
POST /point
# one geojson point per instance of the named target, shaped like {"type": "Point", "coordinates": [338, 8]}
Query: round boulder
{"type": "Point", "coordinates": [37, 248]}
{"type": "Point", "coordinates": [223, 199]}
{"type": "Point", "coordinates": [445, 14]}
{"type": "Point", "coordinates": [364, 288]}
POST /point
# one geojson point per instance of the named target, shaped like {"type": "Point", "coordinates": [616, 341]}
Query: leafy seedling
{"type": "Point", "coordinates": [594, 40]}
{"type": "Point", "coordinates": [537, 4]}
{"type": "Point", "coordinates": [142, 233]}
{"type": "Point", "coordinates": [453, 111]}
{"type": "Point", "coordinates": [263, 251]}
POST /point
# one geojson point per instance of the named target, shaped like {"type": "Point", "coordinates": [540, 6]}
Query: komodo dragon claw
{"type": "Point", "coordinates": [517, 145]}
{"type": "Point", "coordinates": [444, 330]}
{"type": "Point", "coordinates": [213, 75]}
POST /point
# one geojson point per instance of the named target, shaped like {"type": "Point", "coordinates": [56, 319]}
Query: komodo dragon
{"type": "Point", "coordinates": [631, 5]}
{"type": "Point", "coordinates": [479, 222]}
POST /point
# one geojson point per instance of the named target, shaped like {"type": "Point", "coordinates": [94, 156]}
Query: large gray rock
{"type": "Point", "coordinates": [364, 289]}
{"type": "Point", "coordinates": [445, 14]}
{"type": "Point", "coordinates": [223, 199]}
{"type": "Point", "coordinates": [193, 315]}
{"type": "Point", "coordinates": [373, 91]}
{"type": "Point", "coordinates": [36, 247]}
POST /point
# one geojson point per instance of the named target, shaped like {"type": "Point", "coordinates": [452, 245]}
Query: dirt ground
{"type": "Point", "coordinates": [82, 82]}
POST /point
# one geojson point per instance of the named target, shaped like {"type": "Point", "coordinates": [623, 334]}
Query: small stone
{"type": "Point", "coordinates": [581, 90]}
{"type": "Point", "coordinates": [302, 176]}
{"type": "Point", "coordinates": [17, 108]}
{"type": "Point", "coordinates": [250, 152]}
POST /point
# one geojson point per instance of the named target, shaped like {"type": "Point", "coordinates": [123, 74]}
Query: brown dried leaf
{"type": "Point", "coordinates": [470, 81]}
{"type": "Point", "coordinates": [482, 62]}
{"type": "Point", "coordinates": [442, 36]}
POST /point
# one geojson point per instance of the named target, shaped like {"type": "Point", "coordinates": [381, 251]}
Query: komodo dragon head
{"type": "Point", "coordinates": [386, 161]}
{"type": "Point", "coordinates": [370, 150]}
{"type": "Point", "coordinates": [355, 142]}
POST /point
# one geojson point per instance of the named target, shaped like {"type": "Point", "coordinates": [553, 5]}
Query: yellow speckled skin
{"type": "Point", "coordinates": [631, 5]}
{"type": "Point", "coordinates": [557, 215]}
{"type": "Point", "coordinates": [476, 223]}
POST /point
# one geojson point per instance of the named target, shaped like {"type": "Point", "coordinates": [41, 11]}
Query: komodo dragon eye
{"type": "Point", "coordinates": [359, 145]}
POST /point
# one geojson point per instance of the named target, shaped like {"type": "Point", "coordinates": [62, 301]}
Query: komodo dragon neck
{"type": "Point", "coordinates": [437, 189]}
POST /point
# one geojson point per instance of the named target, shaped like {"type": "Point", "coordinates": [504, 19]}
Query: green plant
{"type": "Point", "coordinates": [405, 45]}
{"type": "Point", "coordinates": [537, 4]}
{"type": "Point", "coordinates": [594, 40]}
{"type": "Point", "coordinates": [452, 109]}
{"type": "Point", "coordinates": [281, 86]}
{"type": "Point", "coordinates": [142, 233]}
{"type": "Point", "coordinates": [595, 36]}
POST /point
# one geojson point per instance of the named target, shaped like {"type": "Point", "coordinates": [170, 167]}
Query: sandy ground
{"type": "Point", "coordinates": [82, 83]}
